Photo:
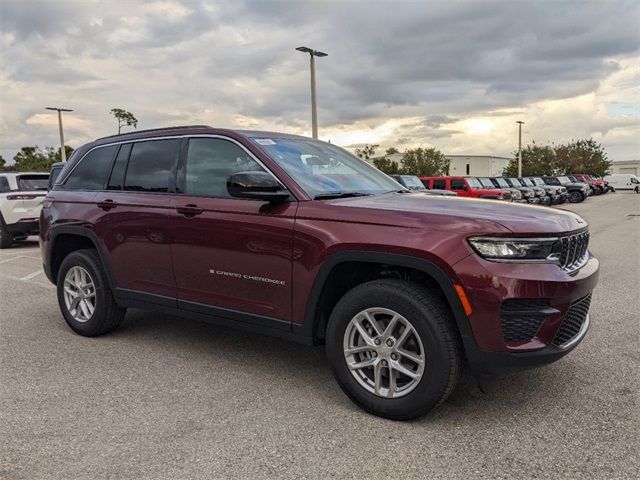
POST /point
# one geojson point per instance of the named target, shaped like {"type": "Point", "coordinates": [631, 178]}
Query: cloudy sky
{"type": "Point", "coordinates": [454, 75]}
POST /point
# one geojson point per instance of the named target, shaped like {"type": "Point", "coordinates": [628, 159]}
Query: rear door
{"type": "Point", "coordinates": [229, 253]}
{"type": "Point", "coordinates": [132, 215]}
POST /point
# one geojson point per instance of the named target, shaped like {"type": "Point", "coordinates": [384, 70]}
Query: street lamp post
{"type": "Point", "coordinates": [519, 122]}
{"type": "Point", "coordinates": [314, 108]}
{"type": "Point", "coordinates": [63, 152]}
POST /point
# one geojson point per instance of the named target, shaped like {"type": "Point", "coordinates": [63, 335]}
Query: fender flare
{"type": "Point", "coordinates": [446, 284]}
{"type": "Point", "coordinates": [81, 232]}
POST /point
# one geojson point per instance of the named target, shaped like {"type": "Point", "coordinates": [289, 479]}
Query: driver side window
{"type": "Point", "coordinates": [210, 162]}
{"type": "Point", "coordinates": [457, 185]}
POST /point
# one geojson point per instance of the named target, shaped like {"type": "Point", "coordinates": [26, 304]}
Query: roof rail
{"type": "Point", "coordinates": [160, 129]}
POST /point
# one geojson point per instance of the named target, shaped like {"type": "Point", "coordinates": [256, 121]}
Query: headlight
{"type": "Point", "coordinates": [543, 250]}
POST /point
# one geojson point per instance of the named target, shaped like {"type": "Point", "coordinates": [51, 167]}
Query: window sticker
{"type": "Point", "coordinates": [265, 141]}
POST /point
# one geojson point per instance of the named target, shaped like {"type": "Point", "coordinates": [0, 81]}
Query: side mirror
{"type": "Point", "coordinates": [256, 186]}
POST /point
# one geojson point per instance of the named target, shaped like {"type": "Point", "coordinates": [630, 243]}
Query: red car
{"type": "Point", "coordinates": [288, 236]}
{"type": "Point", "coordinates": [597, 185]}
{"type": "Point", "coordinates": [466, 187]}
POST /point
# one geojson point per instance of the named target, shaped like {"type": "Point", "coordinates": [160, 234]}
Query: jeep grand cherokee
{"type": "Point", "coordinates": [288, 236]}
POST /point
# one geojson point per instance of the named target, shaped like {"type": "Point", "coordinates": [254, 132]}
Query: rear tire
{"type": "Point", "coordinates": [6, 238]}
{"type": "Point", "coordinates": [85, 297]}
{"type": "Point", "coordinates": [385, 387]}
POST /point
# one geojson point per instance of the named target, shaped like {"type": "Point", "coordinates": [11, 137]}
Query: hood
{"type": "Point", "coordinates": [460, 214]}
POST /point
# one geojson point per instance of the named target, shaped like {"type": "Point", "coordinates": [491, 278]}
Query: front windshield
{"type": "Point", "coordinates": [473, 182]}
{"type": "Point", "coordinates": [502, 182]}
{"type": "Point", "coordinates": [564, 180]}
{"type": "Point", "coordinates": [527, 182]}
{"type": "Point", "coordinates": [324, 169]}
{"type": "Point", "coordinates": [487, 183]}
{"type": "Point", "coordinates": [515, 182]}
{"type": "Point", "coordinates": [412, 182]}
{"type": "Point", "coordinates": [538, 181]}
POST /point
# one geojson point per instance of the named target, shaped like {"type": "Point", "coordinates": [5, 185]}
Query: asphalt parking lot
{"type": "Point", "coordinates": [165, 397]}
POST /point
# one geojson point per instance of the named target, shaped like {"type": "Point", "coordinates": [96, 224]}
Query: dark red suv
{"type": "Point", "coordinates": [289, 236]}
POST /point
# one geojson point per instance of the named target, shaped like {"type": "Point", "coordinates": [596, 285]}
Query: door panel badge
{"type": "Point", "coordinates": [245, 276]}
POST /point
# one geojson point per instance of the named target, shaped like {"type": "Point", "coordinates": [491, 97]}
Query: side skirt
{"type": "Point", "coordinates": [209, 314]}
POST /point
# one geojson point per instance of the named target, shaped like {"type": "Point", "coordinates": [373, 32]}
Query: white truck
{"type": "Point", "coordinates": [21, 196]}
{"type": "Point", "coordinates": [623, 181]}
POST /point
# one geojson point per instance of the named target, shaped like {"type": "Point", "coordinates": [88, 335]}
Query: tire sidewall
{"type": "Point", "coordinates": [84, 260]}
{"type": "Point", "coordinates": [434, 381]}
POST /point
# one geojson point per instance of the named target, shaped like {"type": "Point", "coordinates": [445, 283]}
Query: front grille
{"type": "Point", "coordinates": [574, 251]}
{"type": "Point", "coordinates": [572, 321]}
{"type": "Point", "coordinates": [522, 318]}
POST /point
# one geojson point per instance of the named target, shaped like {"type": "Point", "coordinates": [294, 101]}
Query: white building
{"type": "Point", "coordinates": [477, 165]}
{"type": "Point", "coordinates": [626, 166]}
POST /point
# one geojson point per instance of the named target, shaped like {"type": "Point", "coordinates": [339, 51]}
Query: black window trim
{"type": "Point", "coordinates": [179, 165]}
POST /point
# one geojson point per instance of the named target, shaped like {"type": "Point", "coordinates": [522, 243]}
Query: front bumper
{"type": "Point", "coordinates": [489, 284]}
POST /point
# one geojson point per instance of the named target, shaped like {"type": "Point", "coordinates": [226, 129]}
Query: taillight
{"type": "Point", "coordinates": [22, 196]}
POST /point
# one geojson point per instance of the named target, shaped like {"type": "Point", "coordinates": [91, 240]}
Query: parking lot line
{"type": "Point", "coordinates": [9, 259]}
{"type": "Point", "coordinates": [32, 275]}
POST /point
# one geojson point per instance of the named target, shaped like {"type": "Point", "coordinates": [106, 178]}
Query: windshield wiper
{"type": "Point", "coordinates": [325, 196]}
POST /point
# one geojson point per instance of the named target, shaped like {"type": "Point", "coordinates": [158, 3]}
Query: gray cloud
{"type": "Point", "coordinates": [233, 62]}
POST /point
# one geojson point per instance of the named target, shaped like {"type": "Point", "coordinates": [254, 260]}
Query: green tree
{"type": "Point", "coordinates": [387, 166]}
{"type": "Point", "coordinates": [366, 152]}
{"type": "Point", "coordinates": [124, 118]}
{"type": "Point", "coordinates": [582, 156]}
{"type": "Point", "coordinates": [392, 150]}
{"type": "Point", "coordinates": [37, 159]}
{"type": "Point", "coordinates": [424, 162]}
{"type": "Point", "coordinates": [2, 163]}
{"type": "Point", "coordinates": [536, 160]}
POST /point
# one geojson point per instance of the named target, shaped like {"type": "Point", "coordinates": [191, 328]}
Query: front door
{"type": "Point", "coordinates": [228, 253]}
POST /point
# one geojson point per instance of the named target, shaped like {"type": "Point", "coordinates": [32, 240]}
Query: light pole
{"type": "Point", "coordinates": [314, 108]}
{"type": "Point", "coordinates": [63, 152]}
{"type": "Point", "coordinates": [519, 122]}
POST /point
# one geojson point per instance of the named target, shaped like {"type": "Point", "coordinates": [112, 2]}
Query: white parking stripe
{"type": "Point", "coordinates": [9, 259]}
{"type": "Point", "coordinates": [12, 277]}
{"type": "Point", "coordinates": [32, 275]}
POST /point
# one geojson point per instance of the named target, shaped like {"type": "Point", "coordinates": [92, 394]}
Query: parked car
{"type": "Point", "coordinates": [21, 195]}
{"type": "Point", "coordinates": [597, 186]}
{"type": "Point", "coordinates": [558, 190]}
{"type": "Point", "coordinates": [466, 187]}
{"type": "Point", "coordinates": [577, 191]}
{"type": "Point", "coordinates": [413, 183]}
{"type": "Point", "coordinates": [516, 195]}
{"type": "Point", "coordinates": [557, 194]}
{"type": "Point", "coordinates": [56, 168]}
{"type": "Point", "coordinates": [539, 191]}
{"type": "Point", "coordinates": [238, 229]}
{"type": "Point", "coordinates": [623, 181]}
{"type": "Point", "coordinates": [527, 193]}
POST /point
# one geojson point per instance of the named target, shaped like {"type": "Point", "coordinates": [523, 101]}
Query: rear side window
{"type": "Point", "coordinates": [457, 184]}
{"type": "Point", "coordinates": [4, 185]}
{"type": "Point", "coordinates": [92, 171]}
{"type": "Point", "coordinates": [439, 184]}
{"type": "Point", "coordinates": [33, 182]}
{"type": "Point", "coordinates": [150, 166]}
{"type": "Point", "coordinates": [210, 162]}
{"type": "Point", "coordinates": [116, 181]}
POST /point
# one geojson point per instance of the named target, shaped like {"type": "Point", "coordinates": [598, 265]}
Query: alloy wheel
{"type": "Point", "coordinates": [384, 352]}
{"type": "Point", "coordinates": [79, 294]}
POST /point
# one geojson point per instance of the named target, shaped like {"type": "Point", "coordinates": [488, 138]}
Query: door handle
{"type": "Point", "coordinates": [107, 204]}
{"type": "Point", "coordinates": [190, 210]}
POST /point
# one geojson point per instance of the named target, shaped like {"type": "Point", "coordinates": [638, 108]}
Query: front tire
{"type": "Point", "coordinates": [393, 348]}
{"type": "Point", "coordinates": [85, 297]}
{"type": "Point", "coordinates": [575, 197]}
